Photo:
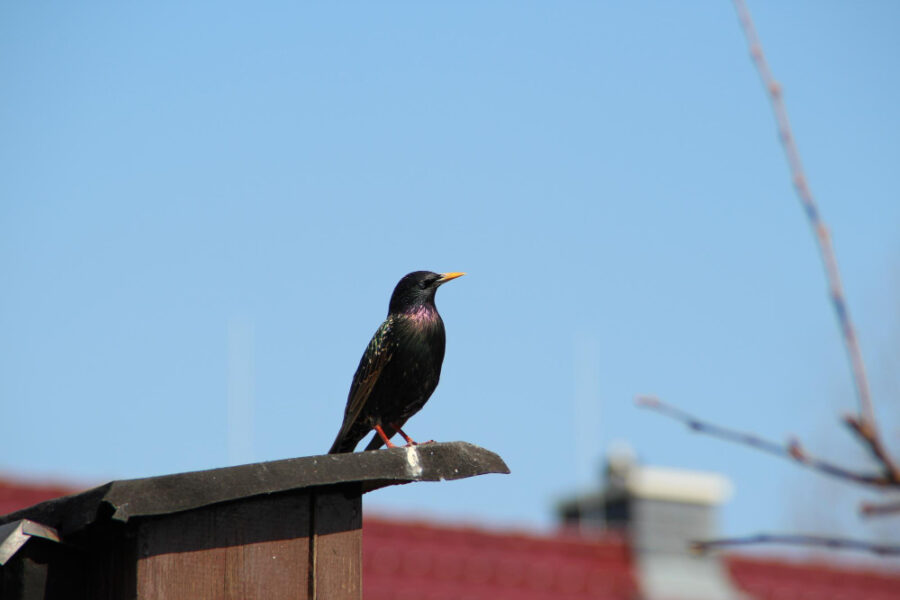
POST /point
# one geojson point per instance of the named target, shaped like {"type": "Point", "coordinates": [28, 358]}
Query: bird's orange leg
{"type": "Point", "coordinates": [409, 440]}
{"type": "Point", "coordinates": [384, 438]}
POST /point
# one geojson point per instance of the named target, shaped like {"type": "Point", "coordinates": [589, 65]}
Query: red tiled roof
{"type": "Point", "coordinates": [426, 561]}
{"type": "Point", "coordinates": [15, 495]}
{"type": "Point", "coordinates": [421, 561]}
{"type": "Point", "coordinates": [767, 579]}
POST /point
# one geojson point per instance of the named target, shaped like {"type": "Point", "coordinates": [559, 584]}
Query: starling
{"type": "Point", "coordinates": [400, 367]}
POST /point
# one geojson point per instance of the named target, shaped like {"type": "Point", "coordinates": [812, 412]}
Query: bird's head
{"type": "Point", "coordinates": [417, 290]}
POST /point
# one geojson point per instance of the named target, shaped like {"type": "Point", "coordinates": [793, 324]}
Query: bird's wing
{"type": "Point", "coordinates": [378, 354]}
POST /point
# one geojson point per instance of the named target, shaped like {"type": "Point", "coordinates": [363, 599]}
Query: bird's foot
{"type": "Point", "coordinates": [409, 440]}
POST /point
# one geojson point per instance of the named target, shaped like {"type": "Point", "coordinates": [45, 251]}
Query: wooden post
{"type": "Point", "coordinates": [288, 529]}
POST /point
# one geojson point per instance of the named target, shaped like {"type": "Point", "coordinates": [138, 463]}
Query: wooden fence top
{"type": "Point", "coordinates": [125, 499]}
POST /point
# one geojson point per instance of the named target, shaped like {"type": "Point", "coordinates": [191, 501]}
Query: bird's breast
{"type": "Point", "coordinates": [420, 348]}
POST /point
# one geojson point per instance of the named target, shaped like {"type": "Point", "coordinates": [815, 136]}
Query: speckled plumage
{"type": "Point", "coordinates": [401, 366]}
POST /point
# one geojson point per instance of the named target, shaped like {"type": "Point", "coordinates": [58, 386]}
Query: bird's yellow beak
{"type": "Point", "coordinates": [445, 277]}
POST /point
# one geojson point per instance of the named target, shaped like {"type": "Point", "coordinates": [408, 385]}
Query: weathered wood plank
{"type": "Point", "coordinates": [254, 549]}
{"type": "Point", "coordinates": [276, 570]}
{"type": "Point", "coordinates": [337, 522]}
{"type": "Point", "coordinates": [199, 574]}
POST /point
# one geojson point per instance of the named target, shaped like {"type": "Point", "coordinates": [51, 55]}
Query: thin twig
{"type": "Point", "coordinates": [871, 509]}
{"type": "Point", "coordinates": [791, 451]}
{"type": "Point", "coordinates": [868, 435]}
{"type": "Point", "coordinates": [867, 414]}
{"type": "Point", "coordinates": [797, 540]}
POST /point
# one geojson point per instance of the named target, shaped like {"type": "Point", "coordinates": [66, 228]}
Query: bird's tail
{"type": "Point", "coordinates": [341, 445]}
{"type": "Point", "coordinates": [347, 439]}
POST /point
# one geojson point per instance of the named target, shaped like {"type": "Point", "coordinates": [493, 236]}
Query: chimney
{"type": "Point", "coordinates": [661, 511]}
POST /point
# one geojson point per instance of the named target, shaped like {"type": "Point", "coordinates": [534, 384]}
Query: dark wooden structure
{"type": "Point", "coordinates": [269, 531]}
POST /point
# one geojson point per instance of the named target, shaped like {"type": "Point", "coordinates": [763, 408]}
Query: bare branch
{"type": "Point", "coordinates": [871, 509]}
{"type": "Point", "coordinates": [866, 412]}
{"type": "Point", "coordinates": [867, 433]}
{"type": "Point", "coordinates": [797, 540]}
{"type": "Point", "coordinates": [791, 451]}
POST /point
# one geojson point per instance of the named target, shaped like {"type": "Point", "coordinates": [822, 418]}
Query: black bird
{"type": "Point", "coordinates": [400, 367]}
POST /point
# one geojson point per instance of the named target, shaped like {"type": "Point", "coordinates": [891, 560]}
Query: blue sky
{"type": "Point", "coordinates": [188, 187]}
